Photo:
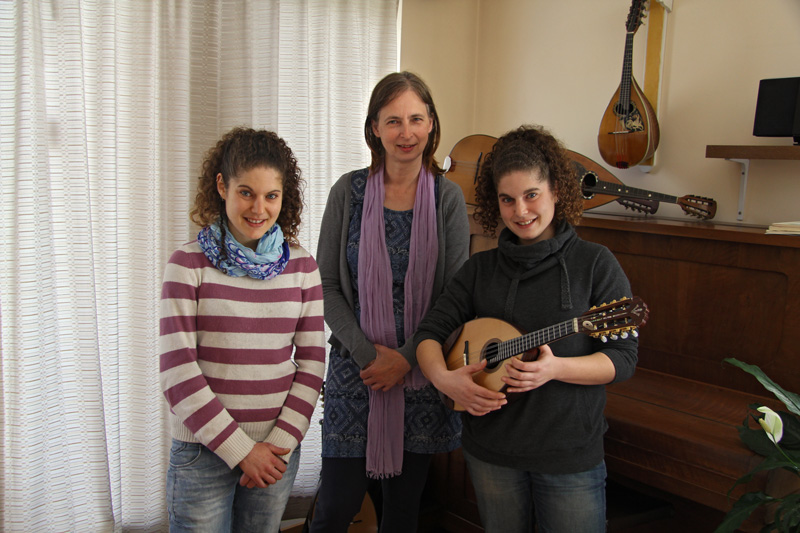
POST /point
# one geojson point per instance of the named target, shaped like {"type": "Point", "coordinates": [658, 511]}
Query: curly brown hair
{"type": "Point", "coordinates": [528, 148]}
{"type": "Point", "coordinates": [389, 88]}
{"type": "Point", "coordinates": [240, 150]}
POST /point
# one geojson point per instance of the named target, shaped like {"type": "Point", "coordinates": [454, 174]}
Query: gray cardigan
{"type": "Point", "coordinates": [453, 232]}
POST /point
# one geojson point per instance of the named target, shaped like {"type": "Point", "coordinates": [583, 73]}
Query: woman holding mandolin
{"type": "Point", "coordinates": [534, 449]}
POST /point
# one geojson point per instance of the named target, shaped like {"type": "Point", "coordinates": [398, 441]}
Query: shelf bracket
{"type": "Point", "coordinates": [745, 163]}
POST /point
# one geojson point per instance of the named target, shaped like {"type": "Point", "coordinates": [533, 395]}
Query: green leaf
{"type": "Point", "coordinates": [771, 462]}
{"type": "Point", "coordinates": [789, 399]}
{"type": "Point", "coordinates": [743, 507]}
{"type": "Point", "coordinates": [756, 440]}
{"type": "Point", "coordinates": [775, 460]}
{"type": "Point", "coordinates": [791, 431]}
{"type": "Point", "coordinates": [787, 515]}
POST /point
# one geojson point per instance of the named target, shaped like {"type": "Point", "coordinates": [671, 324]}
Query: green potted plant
{"type": "Point", "coordinates": [778, 441]}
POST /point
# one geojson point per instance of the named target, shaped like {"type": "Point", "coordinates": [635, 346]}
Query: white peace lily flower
{"type": "Point", "coordinates": [772, 424]}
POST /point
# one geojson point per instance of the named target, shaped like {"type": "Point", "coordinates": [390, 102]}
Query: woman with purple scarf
{"type": "Point", "coordinates": [392, 236]}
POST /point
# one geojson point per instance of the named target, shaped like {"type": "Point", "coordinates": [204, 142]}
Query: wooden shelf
{"type": "Point", "coordinates": [752, 152]}
{"type": "Point", "coordinates": [689, 229]}
{"type": "Point", "coordinates": [743, 155]}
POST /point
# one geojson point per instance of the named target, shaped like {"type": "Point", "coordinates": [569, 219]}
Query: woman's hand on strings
{"type": "Point", "coordinates": [525, 376]}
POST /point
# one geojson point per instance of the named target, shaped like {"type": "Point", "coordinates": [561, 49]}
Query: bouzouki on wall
{"type": "Point", "coordinates": [497, 341]}
{"type": "Point", "coordinates": [465, 161]}
{"type": "Point", "coordinates": [629, 131]}
{"type": "Point", "coordinates": [599, 187]}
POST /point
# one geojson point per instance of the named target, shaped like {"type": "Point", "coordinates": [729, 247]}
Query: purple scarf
{"type": "Point", "coordinates": [386, 409]}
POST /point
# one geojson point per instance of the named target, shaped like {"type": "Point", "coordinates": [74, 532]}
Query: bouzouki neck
{"type": "Point", "coordinates": [644, 200]}
{"type": "Point", "coordinates": [618, 189]}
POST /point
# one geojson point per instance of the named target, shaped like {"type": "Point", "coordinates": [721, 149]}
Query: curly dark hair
{"type": "Point", "coordinates": [528, 148]}
{"type": "Point", "coordinates": [240, 150]}
{"type": "Point", "coordinates": [389, 88]}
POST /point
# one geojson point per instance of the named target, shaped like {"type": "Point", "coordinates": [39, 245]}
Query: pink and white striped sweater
{"type": "Point", "coordinates": [226, 347]}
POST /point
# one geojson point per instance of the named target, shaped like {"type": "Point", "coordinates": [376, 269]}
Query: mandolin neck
{"type": "Point", "coordinates": [532, 340]}
{"type": "Point", "coordinates": [627, 73]}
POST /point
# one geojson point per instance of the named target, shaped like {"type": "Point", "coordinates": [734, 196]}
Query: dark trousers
{"type": "Point", "coordinates": [344, 484]}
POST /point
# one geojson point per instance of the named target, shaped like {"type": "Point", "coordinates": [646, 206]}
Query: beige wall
{"type": "Point", "coordinates": [439, 41]}
{"type": "Point", "coordinates": [495, 64]}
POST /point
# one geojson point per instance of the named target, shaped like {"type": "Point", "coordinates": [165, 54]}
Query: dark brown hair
{"type": "Point", "coordinates": [528, 148]}
{"type": "Point", "coordinates": [389, 88]}
{"type": "Point", "coordinates": [240, 150]}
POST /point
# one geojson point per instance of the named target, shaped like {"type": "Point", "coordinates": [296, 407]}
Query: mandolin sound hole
{"type": "Point", "coordinates": [625, 111]}
{"type": "Point", "coordinates": [490, 353]}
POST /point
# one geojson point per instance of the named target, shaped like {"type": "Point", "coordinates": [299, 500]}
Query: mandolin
{"type": "Point", "coordinates": [599, 187]}
{"type": "Point", "coordinates": [498, 341]}
{"type": "Point", "coordinates": [629, 131]}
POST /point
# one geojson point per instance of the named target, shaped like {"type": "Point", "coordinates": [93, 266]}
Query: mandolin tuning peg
{"type": "Point", "coordinates": [614, 337]}
{"type": "Point", "coordinates": [635, 333]}
{"type": "Point", "coordinates": [624, 335]}
{"type": "Point", "coordinates": [604, 338]}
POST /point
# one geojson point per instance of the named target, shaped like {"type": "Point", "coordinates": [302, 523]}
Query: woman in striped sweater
{"type": "Point", "coordinates": [242, 341]}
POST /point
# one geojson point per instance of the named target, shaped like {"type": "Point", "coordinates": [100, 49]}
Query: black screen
{"type": "Point", "coordinates": [778, 108]}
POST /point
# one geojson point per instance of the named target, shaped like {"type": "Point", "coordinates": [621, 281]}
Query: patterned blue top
{"type": "Point", "coordinates": [429, 426]}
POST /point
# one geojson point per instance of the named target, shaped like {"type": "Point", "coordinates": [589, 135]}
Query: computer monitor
{"type": "Point", "coordinates": [778, 109]}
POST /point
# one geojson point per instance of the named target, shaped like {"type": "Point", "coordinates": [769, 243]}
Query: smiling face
{"type": "Point", "coordinates": [403, 126]}
{"type": "Point", "coordinates": [253, 202]}
{"type": "Point", "coordinates": [527, 205]}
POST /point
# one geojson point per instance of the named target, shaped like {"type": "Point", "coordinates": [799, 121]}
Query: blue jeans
{"type": "Point", "coordinates": [204, 495]}
{"type": "Point", "coordinates": [508, 498]}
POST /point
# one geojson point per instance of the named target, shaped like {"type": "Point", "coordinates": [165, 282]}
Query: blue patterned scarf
{"type": "Point", "coordinates": [267, 261]}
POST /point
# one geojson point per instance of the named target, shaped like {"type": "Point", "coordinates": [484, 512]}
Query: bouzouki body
{"type": "Point", "coordinates": [629, 132]}
{"type": "Point", "coordinates": [466, 161]}
{"type": "Point", "coordinates": [599, 187]}
{"type": "Point", "coordinates": [586, 167]}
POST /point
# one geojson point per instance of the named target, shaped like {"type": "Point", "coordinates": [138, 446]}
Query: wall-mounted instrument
{"type": "Point", "coordinates": [600, 187]}
{"type": "Point", "coordinates": [465, 160]}
{"type": "Point", "coordinates": [629, 131]}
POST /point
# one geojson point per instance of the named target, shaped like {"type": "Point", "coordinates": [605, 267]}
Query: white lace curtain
{"type": "Point", "coordinates": [106, 109]}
